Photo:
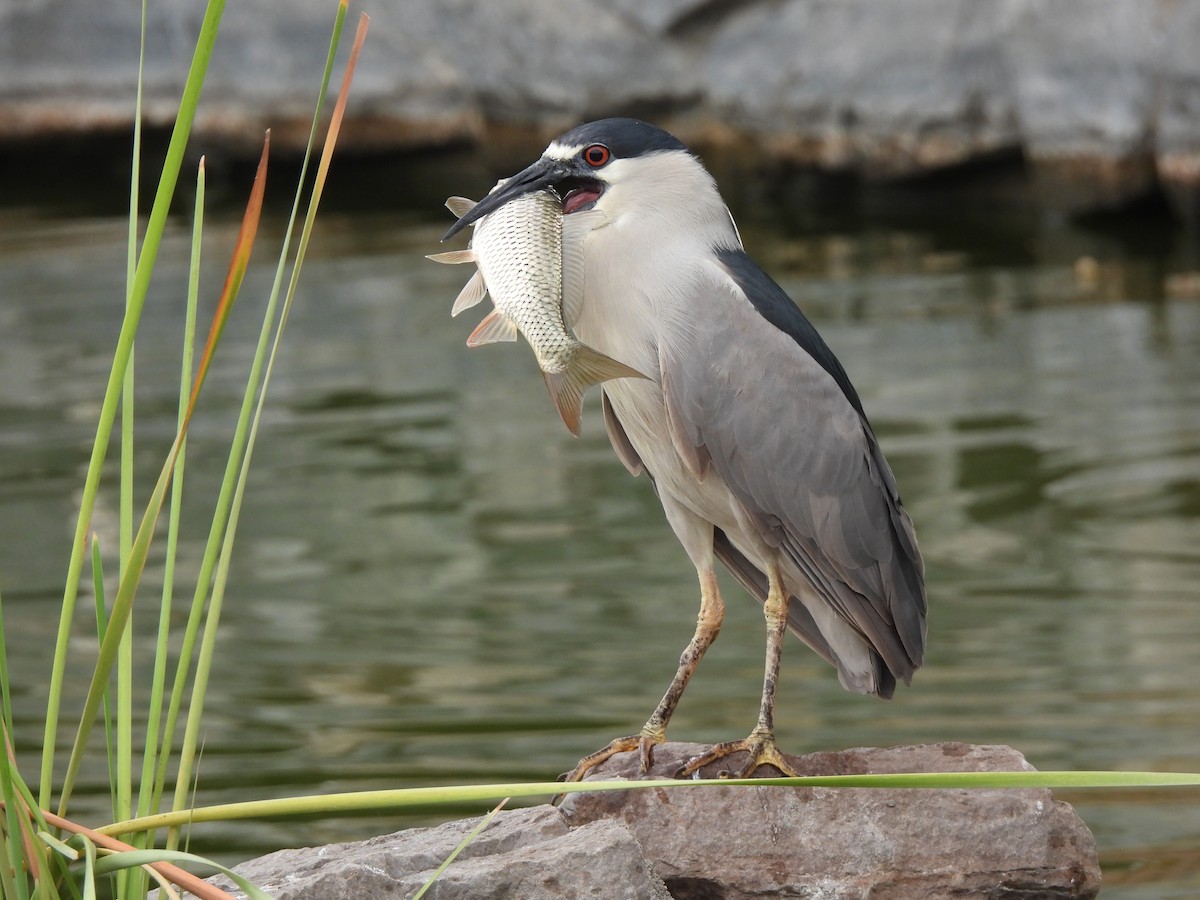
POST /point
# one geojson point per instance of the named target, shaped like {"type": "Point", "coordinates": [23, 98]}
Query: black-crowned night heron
{"type": "Point", "coordinates": [748, 426]}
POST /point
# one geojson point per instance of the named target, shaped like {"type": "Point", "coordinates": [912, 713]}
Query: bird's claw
{"type": "Point", "coordinates": [641, 742]}
{"type": "Point", "coordinates": [761, 747]}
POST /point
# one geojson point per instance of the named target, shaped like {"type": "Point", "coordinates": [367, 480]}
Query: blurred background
{"type": "Point", "coordinates": [989, 209]}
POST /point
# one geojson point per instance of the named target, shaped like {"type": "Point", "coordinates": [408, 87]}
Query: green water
{"type": "Point", "coordinates": [435, 583]}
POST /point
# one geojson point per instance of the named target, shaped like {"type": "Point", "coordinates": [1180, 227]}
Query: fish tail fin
{"type": "Point", "coordinates": [587, 367]}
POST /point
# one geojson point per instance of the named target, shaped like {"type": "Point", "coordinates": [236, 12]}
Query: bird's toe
{"type": "Point", "coordinates": [760, 750]}
{"type": "Point", "coordinates": [601, 756]}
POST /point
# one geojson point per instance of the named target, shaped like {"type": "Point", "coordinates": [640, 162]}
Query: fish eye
{"type": "Point", "coordinates": [596, 155]}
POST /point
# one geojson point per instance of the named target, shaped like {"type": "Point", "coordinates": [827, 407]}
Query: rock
{"type": "Point", "coordinates": [885, 90]}
{"type": "Point", "coordinates": [738, 843]}
{"type": "Point", "coordinates": [661, 17]}
{"type": "Point", "coordinates": [533, 64]}
{"type": "Point", "coordinates": [1177, 135]}
{"type": "Point", "coordinates": [1086, 81]}
{"type": "Point", "coordinates": [67, 67]}
{"type": "Point", "coordinates": [732, 843]}
{"type": "Point", "coordinates": [1100, 96]}
{"type": "Point", "coordinates": [527, 854]}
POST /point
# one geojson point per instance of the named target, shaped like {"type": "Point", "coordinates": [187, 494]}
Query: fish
{"type": "Point", "coordinates": [531, 265]}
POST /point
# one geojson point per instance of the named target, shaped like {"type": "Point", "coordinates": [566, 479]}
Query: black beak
{"type": "Point", "coordinates": [542, 174]}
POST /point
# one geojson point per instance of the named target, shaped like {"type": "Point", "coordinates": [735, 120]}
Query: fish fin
{"type": "Point", "coordinates": [453, 257]}
{"type": "Point", "coordinates": [460, 206]}
{"type": "Point", "coordinates": [473, 291]}
{"type": "Point", "coordinates": [496, 326]}
{"type": "Point", "coordinates": [594, 367]}
{"type": "Point", "coordinates": [575, 230]}
{"type": "Point", "coordinates": [587, 367]}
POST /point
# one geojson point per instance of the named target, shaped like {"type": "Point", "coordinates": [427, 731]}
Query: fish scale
{"type": "Point", "coordinates": [518, 249]}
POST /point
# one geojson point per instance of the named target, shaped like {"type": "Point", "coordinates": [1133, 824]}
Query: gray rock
{"type": "Point", "coordinates": [664, 16]}
{"type": "Point", "coordinates": [549, 63]}
{"type": "Point", "coordinates": [1086, 77]}
{"type": "Point", "coordinates": [732, 843]}
{"type": "Point", "coordinates": [738, 843]}
{"type": "Point", "coordinates": [527, 854]}
{"type": "Point", "coordinates": [887, 90]}
{"type": "Point", "coordinates": [70, 67]}
{"type": "Point", "coordinates": [1101, 96]}
{"type": "Point", "coordinates": [1177, 135]}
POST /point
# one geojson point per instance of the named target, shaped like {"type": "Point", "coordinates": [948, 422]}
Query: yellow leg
{"type": "Point", "coordinates": [708, 624]}
{"type": "Point", "coordinates": [760, 744]}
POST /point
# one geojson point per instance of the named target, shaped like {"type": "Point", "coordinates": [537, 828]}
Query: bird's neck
{"type": "Point", "coordinates": [641, 277]}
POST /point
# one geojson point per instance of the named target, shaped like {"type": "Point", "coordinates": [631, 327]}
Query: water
{"type": "Point", "coordinates": [436, 584]}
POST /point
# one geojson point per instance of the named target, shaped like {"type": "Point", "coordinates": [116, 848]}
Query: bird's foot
{"type": "Point", "coordinates": [643, 742]}
{"type": "Point", "coordinates": [761, 747]}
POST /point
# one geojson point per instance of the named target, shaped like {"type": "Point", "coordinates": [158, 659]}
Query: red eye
{"type": "Point", "coordinates": [596, 155]}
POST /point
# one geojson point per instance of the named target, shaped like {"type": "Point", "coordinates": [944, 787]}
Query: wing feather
{"type": "Point", "coordinates": [619, 439]}
{"type": "Point", "coordinates": [770, 409]}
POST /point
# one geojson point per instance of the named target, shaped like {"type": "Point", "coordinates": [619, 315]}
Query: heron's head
{"type": "Point", "coordinates": [626, 168]}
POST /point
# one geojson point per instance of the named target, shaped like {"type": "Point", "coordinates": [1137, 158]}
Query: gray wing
{"type": "Point", "coordinates": [755, 393]}
{"type": "Point", "coordinates": [747, 574]}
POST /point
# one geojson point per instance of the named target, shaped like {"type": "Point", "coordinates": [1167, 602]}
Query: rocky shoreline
{"type": "Point", "coordinates": [1101, 98]}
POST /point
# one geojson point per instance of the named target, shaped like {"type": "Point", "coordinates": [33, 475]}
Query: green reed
{"type": "Point", "coordinates": [35, 859]}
